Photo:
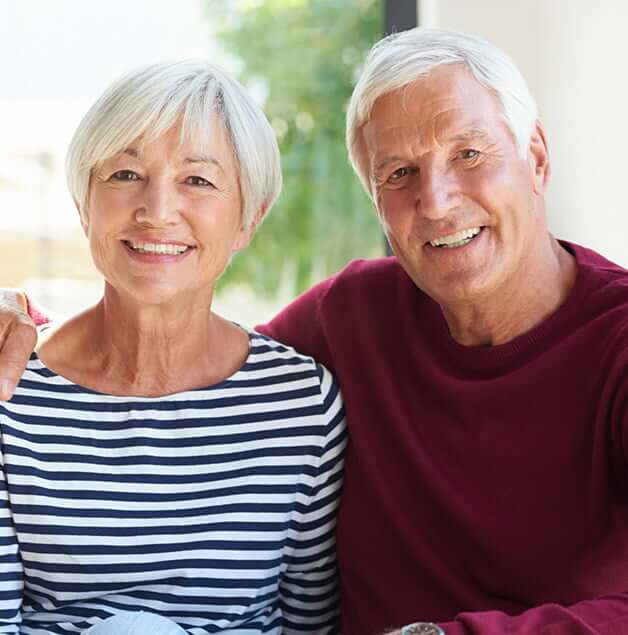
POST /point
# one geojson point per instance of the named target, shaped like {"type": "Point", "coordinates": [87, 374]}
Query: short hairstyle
{"type": "Point", "coordinates": [149, 101]}
{"type": "Point", "coordinates": [400, 59]}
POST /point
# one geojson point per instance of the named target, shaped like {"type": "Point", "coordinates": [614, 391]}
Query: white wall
{"type": "Point", "coordinates": [574, 54]}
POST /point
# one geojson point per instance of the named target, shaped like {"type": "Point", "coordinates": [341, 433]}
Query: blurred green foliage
{"type": "Point", "coordinates": [303, 57]}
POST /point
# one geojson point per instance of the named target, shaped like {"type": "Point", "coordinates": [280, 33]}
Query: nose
{"type": "Point", "coordinates": [158, 204]}
{"type": "Point", "coordinates": [437, 192]}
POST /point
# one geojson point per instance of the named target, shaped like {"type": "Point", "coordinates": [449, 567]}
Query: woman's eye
{"type": "Point", "coordinates": [198, 180]}
{"type": "Point", "coordinates": [124, 175]}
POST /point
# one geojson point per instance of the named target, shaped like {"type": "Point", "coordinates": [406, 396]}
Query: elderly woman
{"type": "Point", "coordinates": [164, 467]}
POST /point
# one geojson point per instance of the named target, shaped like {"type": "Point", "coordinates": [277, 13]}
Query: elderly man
{"type": "Point", "coordinates": [484, 369]}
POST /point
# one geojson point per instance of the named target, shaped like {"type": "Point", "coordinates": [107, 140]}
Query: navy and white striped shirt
{"type": "Point", "coordinates": [214, 507]}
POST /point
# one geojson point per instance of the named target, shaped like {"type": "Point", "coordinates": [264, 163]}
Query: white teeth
{"type": "Point", "coordinates": [157, 248]}
{"type": "Point", "coordinates": [456, 240]}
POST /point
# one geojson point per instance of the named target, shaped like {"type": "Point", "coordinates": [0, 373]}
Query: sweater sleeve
{"type": "Point", "coordinates": [607, 614]}
{"type": "Point", "coordinates": [11, 572]}
{"type": "Point", "coordinates": [309, 586]}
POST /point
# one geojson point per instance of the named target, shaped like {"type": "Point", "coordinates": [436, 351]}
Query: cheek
{"type": "Point", "coordinates": [108, 203]}
{"type": "Point", "coordinates": [98, 254]}
{"type": "Point", "coordinates": [98, 231]}
{"type": "Point", "coordinates": [217, 239]}
{"type": "Point", "coordinates": [511, 184]}
{"type": "Point", "coordinates": [395, 209]}
{"type": "Point", "coordinates": [96, 241]}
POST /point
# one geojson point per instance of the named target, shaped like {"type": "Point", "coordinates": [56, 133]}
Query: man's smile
{"type": "Point", "coordinates": [457, 239]}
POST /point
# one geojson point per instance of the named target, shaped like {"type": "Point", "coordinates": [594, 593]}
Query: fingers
{"type": "Point", "coordinates": [18, 337]}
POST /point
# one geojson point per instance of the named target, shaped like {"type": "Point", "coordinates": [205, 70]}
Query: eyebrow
{"type": "Point", "coordinates": [203, 158]}
{"type": "Point", "coordinates": [195, 158]}
{"type": "Point", "coordinates": [467, 135]}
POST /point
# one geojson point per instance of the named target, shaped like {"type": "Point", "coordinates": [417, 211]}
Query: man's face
{"type": "Point", "coordinates": [462, 210]}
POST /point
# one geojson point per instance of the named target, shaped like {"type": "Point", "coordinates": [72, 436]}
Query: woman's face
{"type": "Point", "coordinates": [164, 218]}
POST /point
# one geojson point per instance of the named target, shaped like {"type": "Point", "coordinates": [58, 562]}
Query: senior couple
{"type": "Point", "coordinates": [168, 471]}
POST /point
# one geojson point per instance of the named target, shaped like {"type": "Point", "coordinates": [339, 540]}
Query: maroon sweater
{"type": "Point", "coordinates": [486, 488]}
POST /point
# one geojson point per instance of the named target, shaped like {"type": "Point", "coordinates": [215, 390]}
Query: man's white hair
{"type": "Point", "coordinates": [151, 100]}
{"type": "Point", "coordinates": [400, 59]}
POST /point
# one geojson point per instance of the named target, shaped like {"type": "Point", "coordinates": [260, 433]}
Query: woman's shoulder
{"type": "Point", "coordinates": [273, 358]}
{"type": "Point", "coordinates": [268, 352]}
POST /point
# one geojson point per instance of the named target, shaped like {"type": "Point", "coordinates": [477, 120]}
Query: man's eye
{"type": "Point", "coordinates": [468, 154]}
{"type": "Point", "coordinates": [398, 174]}
{"type": "Point", "coordinates": [124, 175]}
{"type": "Point", "coordinates": [198, 180]}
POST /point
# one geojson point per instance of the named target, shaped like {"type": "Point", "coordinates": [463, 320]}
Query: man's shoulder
{"type": "Point", "coordinates": [364, 277]}
{"type": "Point", "coordinates": [374, 268]}
{"type": "Point", "coordinates": [600, 301]}
{"type": "Point", "coordinates": [600, 277]}
{"type": "Point", "coordinates": [336, 305]}
{"type": "Point", "coordinates": [590, 260]}
{"type": "Point", "coordinates": [363, 281]}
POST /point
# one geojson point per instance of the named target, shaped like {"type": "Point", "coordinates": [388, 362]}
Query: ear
{"type": "Point", "coordinates": [246, 233]}
{"type": "Point", "coordinates": [538, 155]}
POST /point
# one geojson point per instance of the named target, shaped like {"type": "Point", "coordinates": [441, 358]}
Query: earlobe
{"type": "Point", "coordinates": [539, 156]}
{"type": "Point", "coordinates": [244, 238]}
{"type": "Point", "coordinates": [246, 233]}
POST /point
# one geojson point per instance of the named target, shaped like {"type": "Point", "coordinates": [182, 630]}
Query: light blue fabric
{"type": "Point", "coordinates": [135, 623]}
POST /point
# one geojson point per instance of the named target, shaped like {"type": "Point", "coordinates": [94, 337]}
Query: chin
{"type": "Point", "coordinates": [461, 288]}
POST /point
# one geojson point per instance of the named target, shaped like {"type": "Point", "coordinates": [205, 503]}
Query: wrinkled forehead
{"type": "Point", "coordinates": [449, 87]}
{"type": "Point", "coordinates": [446, 103]}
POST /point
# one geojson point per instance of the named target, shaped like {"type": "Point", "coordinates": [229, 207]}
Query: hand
{"type": "Point", "coordinates": [18, 336]}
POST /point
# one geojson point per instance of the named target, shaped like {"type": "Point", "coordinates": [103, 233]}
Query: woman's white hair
{"type": "Point", "coordinates": [151, 100]}
{"type": "Point", "coordinates": [400, 59]}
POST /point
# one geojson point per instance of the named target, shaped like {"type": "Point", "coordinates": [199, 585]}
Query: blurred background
{"type": "Point", "coordinates": [299, 59]}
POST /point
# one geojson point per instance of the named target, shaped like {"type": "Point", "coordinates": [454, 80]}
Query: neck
{"type": "Point", "coordinates": [541, 286]}
{"type": "Point", "coordinates": [130, 349]}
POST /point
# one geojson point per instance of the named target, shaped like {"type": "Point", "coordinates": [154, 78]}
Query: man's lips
{"type": "Point", "coordinates": [456, 239]}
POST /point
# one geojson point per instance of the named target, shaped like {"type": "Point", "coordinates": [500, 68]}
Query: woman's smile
{"type": "Point", "coordinates": [157, 251]}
